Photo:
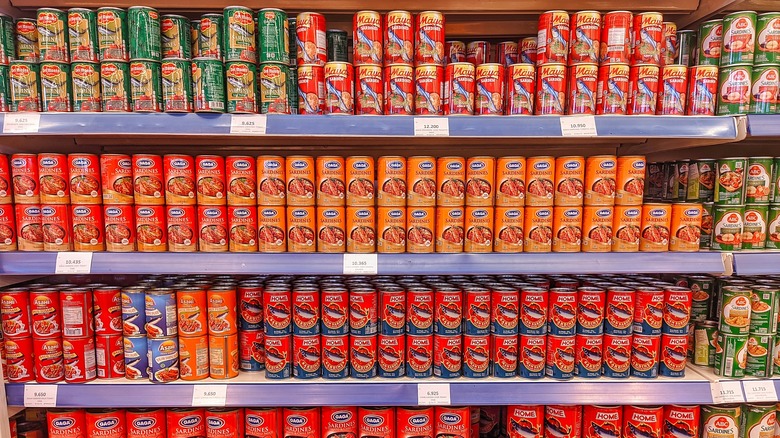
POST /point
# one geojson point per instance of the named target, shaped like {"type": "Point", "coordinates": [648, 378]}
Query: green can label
{"type": "Point", "coordinates": [739, 38]}
{"type": "Point", "coordinates": [768, 38]}
{"type": "Point", "coordinates": [758, 181]}
{"type": "Point", "coordinates": [112, 34]}
{"type": "Point", "coordinates": [763, 316]}
{"type": "Point", "coordinates": [765, 85]}
{"type": "Point", "coordinates": [735, 310]}
{"type": "Point", "coordinates": [7, 39]}
{"type": "Point", "coordinates": [292, 90]}
{"type": "Point", "coordinates": [707, 222]}
{"type": "Point", "coordinates": [239, 34]}
{"type": "Point", "coordinates": [208, 85]}
{"type": "Point", "coordinates": [721, 421]}
{"type": "Point", "coordinates": [5, 92]}
{"type": "Point", "coordinates": [27, 40]}
{"type": "Point", "coordinates": [145, 86]}
{"type": "Point", "coordinates": [705, 338]}
{"type": "Point", "coordinates": [730, 182]}
{"type": "Point", "coordinates": [210, 41]}
{"type": "Point", "coordinates": [175, 37]}
{"type": "Point", "coordinates": [82, 33]}
{"type": "Point", "coordinates": [754, 226]}
{"type": "Point", "coordinates": [773, 227]}
{"type": "Point", "coordinates": [727, 227]}
{"type": "Point", "coordinates": [338, 46]}
{"type": "Point", "coordinates": [53, 35]}
{"type": "Point", "coordinates": [758, 421]}
{"type": "Point", "coordinates": [115, 81]}
{"type": "Point", "coordinates": [195, 38]}
{"type": "Point", "coordinates": [274, 97]}
{"type": "Point", "coordinates": [177, 85]}
{"type": "Point", "coordinates": [759, 349]}
{"type": "Point", "coordinates": [55, 87]}
{"type": "Point", "coordinates": [25, 86]}
{"type": "Point", "coordinates": [273, 36]}
{"type": "Point", "coordinates": [731, 355]}
{"type": "Point", "coordinates": [710, 42]}
{"type": "Point", "coordinates": [86, 86]}
{"type": "Point", "coordinates": [701, 295]}
{"type": "Point", "coordinates": [686, 44]}
{"type": "Point", "coordinates": [776, 357]}
{"type": "Point", "coordinates": [735, 85]}
{"type": "Point", "coordinates": [144, 25]}
{"type": "Point", "coordinates": [701, 181]}
{"type": "Point", "coordinates": [240, 81]}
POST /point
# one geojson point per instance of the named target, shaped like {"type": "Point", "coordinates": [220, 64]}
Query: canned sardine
{"type": "Point", "coordinates": [115, 86]}
{"type": "Point", "coordinates": [82, 32]}
{"type": "Point", "coordinates": [25, 92]}
{"type": "Point", "coordinates": [27, 40]}
{"type": "Point", "coordinates": [53, 35]}
{"type": "Point", "coordinates": [273, 84]}
{"type": "Point", "coordinates": [176, 77]}
{"type": "Point", "coordinates": [112, 34]}
{"type": "Point", "coordinates": [208, 85]}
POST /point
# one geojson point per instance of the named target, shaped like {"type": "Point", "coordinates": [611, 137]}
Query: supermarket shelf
{"type": "Point", "coordinates": [42, 263]}
{"type": "Point", "coordinates": [13, 410]}
{"type": "Point", "coordinates": [763, 125]}
{"type": "Point", "coordinates": [757, 262]}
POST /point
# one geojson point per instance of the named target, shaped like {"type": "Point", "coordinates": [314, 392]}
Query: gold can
{"type": "Point", "coordinates": [480, 181]}
{"type": "Point", "coordinates": [449, 229]}
{"type": "Point", "coordinates": [419, 229]}
{"type": "Point", "coordinates": [685, 227]}
{"type": "Point", "coordinates": [569, 177]}
{"type": "Point", "coordinates": [567, 229]}
{"type": "Point", "coordinates": [360, 181]}
{"type": "Point", "coordinates": [600, 176]}
{"type": "Point", "coordinates": [391, 225]}
{"type": "Point", "coordinates": [361, 230]}
{"type": "Point", "coordinates": [508, 229]}
{"type": "Point", "coordinates": [421, 175]}
{"type": "Point", "coordinates": [271, 183]}
{"type": "Point", "coordinates": [597, 228]}
{"type": "Point", "coordinates": [330, 229]}
{"type": "Point", "coordinates": [451, 180]}
{"type": "Point", "coordinates": [391, 179]}
{"type": "Point", "coordinates": [479, 229]}
{"type": "Point", "coordinates": [656, 219]}
{"type": "Point", "coordinates": [537, 229]}
{"type": "Point", "coordinates": [510, 180]}
{"type": "Point", "coordinates": [626, 228]}
{"type": "Point", "coordinates": [331, 189]}
{"type": "Point", "coordinates": [540, 173]}
{"type": "Point", "coordinates": [300, 229]}
{"type": "Point", "coordinates": [193, 357]}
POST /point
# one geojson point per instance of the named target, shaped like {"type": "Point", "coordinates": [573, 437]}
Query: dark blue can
{"type": "Point", "coordinates": [391, 356]}
{"type": "Point", "coordinates": [136, 357]}
{"type": "Point", "coordinates": [561, 357]}
{"type": "Point", "coordinates": [362, 356]}
{"type": "Point", "coordinates": [133, 312]}
{"type": "Point", "coordinates": [447, 356]}
{"type": "Point", "coordinates": [419, 356]}
{"type": "Point", "coordinates": [161, 316]}
{"type": "Point", "coordinates": [532, 351]}
{"type": "Point", "coordinates": [419, 311]}
{"type": "Point", "coordinates": [278, 357]}
{"type": "Point", "coordinates": [503, 356]}
{"type": "Point", "coordinates": [307, 357]}
{"type": "Point", "coordinates": [476, 356]}
{"type": "Point", "coordinates": [163, 359]}
{"type": "Point", "coordinates": [335, 356]}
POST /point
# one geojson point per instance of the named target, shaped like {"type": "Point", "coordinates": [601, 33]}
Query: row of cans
{"type": "Point", "coordinates": [741, 37]}
{"type": "Point", "coordinates": [734, 356]}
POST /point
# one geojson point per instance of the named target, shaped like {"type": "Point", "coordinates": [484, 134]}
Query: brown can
{"type": "Point", "coordinates": [421, 176]}
{"type": "Point", "coordinates": [116, 175]}
{"type": "Point", "coordinates": [242, 185]}
{"type": "Point", "coordinates": [449, 229]}
{"type": "Point", "coordinates": [569, 177]}
{"type": "Point", "coordinates": [53, 175]}
{"type": "Point", "coordinates": [301, 222]}
{"type": "Point", "coordinates": [150, 228]}
{"type": "Point", "coordinates": [212, 228]}
{"type": "Point", "coordinates": [479, 229]}
{"type": "Point", "coordinates": [391, 226]}
{"type": "Point", "coordinates": [656, 220]}
{"type": "Point", "coordinates": [597, 228]}
{"type": "Point", "coordinates": [148, 179]}
{"type": "Point", "coordinates": [480, 181]}
{"type": "Point", "coordinates": [331, 223]}
{"type": "Point", "coordinates": [630, 183]}
{"type": "Point", "coordinates": [391, 181]}
{"type": "Point", "coordinates": [600, 175]}
{"type": "Point", "coordinates": [540, 172]}
{"type": "Point", "coordinates": [120, 228]}
{"type": "Point", "coordinates": [84, 178]}
{"type": "Point", "coordinates": [25, 180]}
{"type": "Point", "coordinates": [625, 228]}
{"type": "Point", "coordinates": [299, 172]}
{"type": "Point", "coordinates": [210, 179]}
{"type": "Point", "coordinates": [360, 181]}
{"type": "Point", "coordinates": [271, 234]}
{"type": "Point", "coordinates": [179, 171]}
{"type": "Point", "coordinates": [331, 189]}
{"type": "Point", "coordinates": [537, 229]}
{"type": "Point", "coordinates": [510, 181]}
{"type": "Point", "coordinates": [451, 180]}
{"type": "Point", "coordinates": [57, 228]}
{"type": "Point", "coordinates": [242, 226]}
{"type": "Point", "coordinates": [685, 227]}
{"type": "Point", "coordinates": [270, 176]}
{"type": "Point", "coordinates": [361, 229]}
{"type": "Point", "coordinates": [420, 229]}
{"type": "Point", "coordinates": [508, 229]}
{"type": "Point", "coordinates": [567, 229]}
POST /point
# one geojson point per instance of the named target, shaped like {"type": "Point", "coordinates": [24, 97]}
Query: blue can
{"type": "Point", "coordinates": [419, 311]}
{"type": "Point", "coordinates": [476, 320]}
{"type": "Point", "coordinates": [533, 356]}
{"type": "Point", "coordinates": [561, 357]}
{"type": "Point", "coordinates": [504, 356]}
{"type": "Point", "coordinates": [419, 356]}
{"type": "Point", "coordinates": [390, 360]}
{"type": "Point", "coordinates": [307, 357]}
{"type": "Point", "coordinates": [161, 315]}
{"type": "Point", "coordinates": [136, 357]}
{"type": "Point", "coordinates": [588, 354]}
{"type": "Point", "coordinates": [278, 357]}
{"type": "Point", "coordinates": [163, 359]}
{"type": "Point", "coordinates": [616, 356]}
{"type": "Point", "coordinates": [251, 345]}
{"type": "Point", "coordinates": [644, 356]}
{"type": "Point", "coordinates": [335, 355]}
{"type": "Point", "coordinates": [447, 356]}
{"type": "Point", "coordinates": [476, 356]}
{"type": "Point", "coordinates": [362, 356]}
{"type": "Point", "coordinates": [448, 312]}
{"type": "Point", "coordinates": [392, 310]}
{"type": "Point", "coordinates": [250, 306]}
{"type": "Point", "coordinates": [133, 312]}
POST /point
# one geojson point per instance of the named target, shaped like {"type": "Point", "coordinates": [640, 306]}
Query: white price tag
{"type": "Point", "coordinates": [360, 264]}
{"type": "Point", "coordinates": [759, 391]}
{"type": "Point", "coordinates": [40, 396]}
{"type": "Point", "coordinates": [433, 394]}
{"type": "Point", "coordinates": [726, 392]}
{"type": "Point", "coordinates": [431, 127]}
{"type": "Point", "coordinates": [209, 395]}
{"type": "Point", "coordinates": [73, 263]}
{"type": "Point", "coordinates": [248, 124]}
{"type": "Point", "coordinates": [578, 126]}
{"type": "Point", "coordinates": [21, 123]}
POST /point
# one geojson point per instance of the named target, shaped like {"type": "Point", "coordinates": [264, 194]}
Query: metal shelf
{"type": "Point", "coordinates": [757, 262]}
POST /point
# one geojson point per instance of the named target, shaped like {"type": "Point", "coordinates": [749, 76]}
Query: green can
{"type": "Point", "coordinates": [115, 85]}
{"type": "Point", "coordinates": [776, 357]}
{"type": "Point", "coordinates": [273, 36]}
{"type": "Point", "coordinates": [706, 225]}
{"type": "Point", "coordinates": [767, 38]}
{"type": "Point", "coordinates": [731, 357]}
{"type": "Point", "coordinates": [24, 77]}
{"type": "Point", "coordinates": [754, 226]}
{"type": "Point", "coordinates": [728, 221]}
{"type": "Point", "coordinates": [175, 37]}
{"type": "Point", "coordinates": [112, 34]}
{"type": "Point", "coordinates": [338, 45]}
{"type": "Point", "coordinates": [239, 36]}
{"type": "Point", "coordinates": [144, 25]}
{"type": "Point", "coordinates": [82, 35]}
{"type": "Point", "coordinates": [764, 304]}
{"type": "Point", "coordinates": [292, 90]}
{"type": "Point", "coordinates": [773, 227]}
{"type": "Point", "coordinates": [702, 289]}
{"type": "Point", "coordinates": [211, 44]}
{"type": "Point", "coordinates": [735, 87]}
{"type": "Point", "coordinates": [759, 351]}
{"type": "Point", "coordinates": [730, 181]}
{"type": "Point", "coordinates": [764, 85]}
{"type": "Point", "coordinates": [735, 310]}
{"type": "Point", "coordinates": [721, 421]}
{"type": "Point", "coordinates": [758, 181]}
{"type": "Point", "coordinates": [5, 92]}
{"type": "Point", "coordinates": [195, 39]}
{"type": "Point", "coordinates": [241, 87]}
{"type": "Point", "coordinates": [739, 38]}
{"type": "Point", "coordinates": [208, 85]}
{"type": "Point", "coordinates": [7, 48]}
{"type": "Point", "coordinates": [705, 338]}
{"type": "Point", "coordinates": [274, 79]}
{"type": "Point", "coordinates": [701, 180]}
{"type": "Point", "coordinates": [292, 49]}
{"type": "Point", "coordinates": [56, 89]}
{"type": "Point", "coordinates": [670, 180]}
{"type": "Point", "coordinates": [710, 42]}
{"type": "Point", "coordinates": [177, 85]}
{"type": "Point", "coordinates": [686, 47]}
{"type": "Point", "coordinates": [681, 181]}
{"type": "Point", "coordinates": [145, 85]}
{"type": "Point", "coordinates": [27, 40]}
{"type": "Point", "coordinates": [86, 86]}
{"type": "Point", "coordinates": [53, 35]}
{"type": "Point", "coordinates": [758, 420]}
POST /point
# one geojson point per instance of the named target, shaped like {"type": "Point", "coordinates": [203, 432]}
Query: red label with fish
{"type": "Point", "coordinates": [525, 421]}
{"type": "Point", "coordinates": [455, 51]}
{"type": "Point", "coordinates": [414, 422]}
{"type": "Point", "coordinates": [619, 311]}
{"type": "Point", "coordinates": [399, 89]}
{"type": "Point", "coordinates": [647, 37]}
{"type": "Point", "coordinates": [53, 174]}
{"type": "Point", "coordinates": [616, 37]}
{"type": "Point", "coordinates": [339, 421]}
{"type": "Point", "coordinates": [278, 314]}
{"type": "Point", "coordinates": [672, 89]}
{"type": "Point", "coordinates": [368, 89]}
{"type": "Point", "coordinates": [334, 303]}
{"type": "Point", "coordinates": [583, 80]}
{"type": "Point", "coordinates": [644, 355]}
{"type": "Point", "coordinates": [449, 311]}
{"type": "Point", "coordinates": [588, 351]}
{"type": "Point", "coordinates": [561, 356]}
{"type": "Point", "coordinates": [429, 80]}
{"type": "Point", "coordinates": [551, 89]}
{"type": "Point", "coordinates": [521, 90]}
{"type": "Point", "coordinates": [585, 33]}
{"type": "Point", "coordinates": [335, 352]}
{"type": "Point", "coordinates": [278, 356]}
{"type": "Point", "coordinates": [643, 84]}
{"type": "Point", "coordinates": [363, 312]}
{"type": "Point", "coordinates": [391, 355]}
{"type": "Point", "coordinates": [681, 421]}
{"type": "Point", "coordinates": [399, 37]}
{"type": "Point", "coordinates": [648, 311]}
{"type": "Point", "coordinates": [250, 306]}
{"type": "Point", "coordinates": [527, 48]}
{"type": "Point", "coordinates": [368, 38]}
{"type": "Point", "coordinates": [307, 356]}
{"type": "Point", "coordinates": [617, 355]}
{"type": "Point", "coordinates": [477, 318]}
{"type": "Point", "coordinates": [503, 355]}
{"type": "Point", "coordinates": [702, 89]}
{"type": "Point", "coordinates": [602, 421]}
{"type": "Point", "coordinates": [477, 52]}
{"type": "Point", "coordinates": [674, 349]}
{"type": "Point", "coordinates": [562, 313]}
{"type": "Point", "coordinates": [108, 311]}
{"type": "Point", "coordinates": [392, 305]}
{"type": "Point", "coordinates": [339, 88]}
{"type": "Point", "coordinates": [311, 89]}
{"type": "Point", "coordinates": [490, 89]}
{"type": "Point", "coordinates": [553, 37]}
{"type": "Point", "coordinates": [563, 421]}
{"type": "Point", "coordinates": [312, 43]}
{"type": "Point", "coordinates": [590, 311]}
{"type": "Point", "coordinates": [505, 314]}
{"type": "Point", "coordinates": [476, 356]}
{"type": "Point", "coordinates": [612, 89]}
{"type": "Point", "coordinates": [506, 53]}
{"type": "Point", "coordinates": [677, 310]}
{"type": "Point", "coordinates": [447, 356]}
{"type": "Point", "coordinates": [419, 311]}
{"type": "Point", "coordinates": [429, 38]}
{"type": "Point", "coordinates": [534, 302]}
{"type": "Point", "coordinates": [46, 313]}
{"type": "Point", "coordinates": [362, 356]}
{"type": "Point", "coordinates": [306, 310]}
{"type": "Point", "coordinates": [642, 421]}
{"type": "Point", "coordinates": [459, 88]}
{"type": "Point", "coordinates": [418, 355]}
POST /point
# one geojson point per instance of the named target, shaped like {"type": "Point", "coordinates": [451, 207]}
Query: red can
{"type": "Point", "coordinates": [335, 307]}
{"type": "Point", "coordinates": [683, 418]}
{"type": "Point", "coordinates": [561, 357]}
{"type": "Point", "coordinates": [251, 354]}
{"type": "Point", "coordinates": [525, 421]}
{"type": "Point", "coordinates": [46, 313]}
{"type": "Point", "coordinates": [476, 356]}
{"type": "Point", "coordinates": [429, 38]}
{"type": "Point", "coordinates": [553, 38]}
{"type": "Point", "coordinates": [616, 37]}
{"type": "Point", "coordinates": [588, 355]}
{"type": "Point", "coordinates": [339, 421]}
{"type": "Point", "coordinates": [339, 88]}
{"type": "Point", "coordinates": [6, 191]}
{"type": "Point", "coordinates": [702, 89]}
{"type": "Point", "coordinates": [521, 89]}
{"type": "Point", "coordinates": [186, 422]}
{"type": "Point", "coordinates": [363, 356]}
{"type": "Point", "coordinates": [88, 228]}
{"type": "Point", "coordinates": [301, 422]}
{"type": "Point", "coordinates": [19, 357]}
{"type": "Point", "coordinates": [399, 38]}
{"type": "Point", "coordinates": [26, 182]}
{"type": "Point", "coordinates": [210, 179]}
{"type": "Point", "coordinates": [120, 228]}
{"type": "Point", "coordinates": [612, 91]}
{"type": "Point", "coordinates": [57, 228]}
{"type": "Point", "coordinates": [504, 310]}
{"type": "Point", "coordinates": [368, 93]}
{"type": "Point", "coordinates": [179, 172]}
{"type": "Point", "coordinates": [590, 311]}
{"type": "Point", "coordinates": [150, 228]}
{"type": "Point", "coordinates": [414, 422]}
{"type": "Point", "coordinates": [503, 355]}
{"type": "Point", "coordinates": [278, 356]}
{"type": "Point", "coordinates": [648, 311]}
{"type": "Point", "coordinates": [459, 88]}
{"type": "Point", "coordinates": [107, 423]}
{"type": "Point", "coordinates": [363, 315]}
{"type": "Point", "coordinates": [391, 355]}
{"type": "Point", "coordinates": [66, 423]}
{"type": "Point", "coordinates": [399, 89]}
{"type": "Point", "coordinates": [528, 49]}
{"type": "Point", "coordinates": [335, 355]}
{"type": "Point", "coordinates": [311, 89]}
{"type": "Point", "coordinates": [49, 366]}
{"type": "Point", "coordinates": [447, 356]}
{"type": "Point", "coordinates": [455, 51]}
{"type": "Point", "coordinates": [506, 53]}
{"type": "Point", "coordinates": [116, 176]}
{"type": "Point", "coordinates": [563, 421]}
{"type": "Point", "coordinates": [212, 228]}
{"type": "Point", "coordinates": [645, 355]}
{"type": "Point", "coordinates": [368, 38]}
{"type": "Point", "coordinates": [224, 422]}
{"type": "Point", "coordinates": [617, 355]}
{"type": "Point", "coordinates": [110, 356]}
{"type": "Point", "coordinates": [306, 310]}
{"type": "Point", "coordinates": [534, 303]}
{"type": "Point", "coordinates": [672, 89]}
{"type": "Point", "coordinates": [490, 90]}
{"type": "Point", "coordinates": [677, 310]}
{"type": "Point", "coordinates": [647, 35]}
{"type": "Point", "coordinates": [242, 223]}
{"type": "Point", "coordinates": [583, 80]}
{"type": "Point", "coordinates": [448, 311]}
{"type": "Point", "coordinates": [585, 33]}
{"type": "Point", "coordinates": [84, 179]}
{"type": "Point", "coordinates": [278, 311]}
{"type": "Point", "coordinates": [551, 89]}
{"type": "Point", "coordinates": [639, 420]}
{"type": "Point", "coordinates": [77, 317]}
{"type": "Point", "coordinates": [419, 311]}
{"type": "Point", "coordinates": [477, 52]}
{"type": "Point", "coordinates": [619, 309]}
{"type": "Point", "coordinates": [145, 423]}
{"type": "Point", "coordinates": [392, 310]}
{"type": "Point", "coordinates": [562, 312]}
{"type": "Point", "coordinates": [452, 421]}
{"type": "Point", "coordinates": [673, 352]}
{"type": "Point", "coordinates": [181, 228]}
{"type": "Point", "coordinates": [80, 360]}
{"type": "Point", "coordinates": [241, 179]}
{"type": "Point", "coordinates": [429, 80]}
{"type": "Point", "coordinates": [669, 45]}
{"type": "Point", "coordinates": [307, 353]}
{"type": "Point", "coordinates": [418, 355]}
{"type": "Point", "coordinates": [53, 174]}
{"type": "Point", "coordinates": [310, 31]}
{"type": "Point", "coordinates": [29, 227]}
{"type": "Point", "coordinates": [642, 89]}
{"type": "Point", "coordinates": [600, 421]}
{"type": "Point", "coordinates": [477, 311]}
{"type": "Point", "coordinates": [148, 175]}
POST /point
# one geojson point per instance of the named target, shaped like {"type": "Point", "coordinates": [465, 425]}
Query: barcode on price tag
{"type": "Point", "coordinates": [21, 123]}
{"type": "Point", "coordinates": [433, 394]}
{"type": "Point", "coordinates": [248, 124]}
{"type": "Point", "coordinates": [360, 264]}
{"type": "Point", "coordinates": [726, 392]}
{"type": "Point", "coordinates": [759, 391]}
{"type": "Point", "coordinates": [40, 396]}
{"type": "Point", "coordinates": [431, 127]}
{"type": "Point", "coordinates": [209, 395]}
{"type": "Point", "coordinates": [578, 126]}
{"type": "Point", "coordinates": [73, 263]}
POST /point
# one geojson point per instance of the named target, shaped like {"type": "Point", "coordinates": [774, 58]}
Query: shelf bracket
{"type": "Point", "coordinates": [728, 263]}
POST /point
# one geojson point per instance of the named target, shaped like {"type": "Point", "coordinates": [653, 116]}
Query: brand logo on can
{"type": "Point", "coordinates": [692, 212]}
{"type": "Point", "coordinates": [458, 213]}
{"type": "Point", "coordinates": [113, 211]}
{"type": "Point", "coordinates": [418, 420]}
{"type": "Point", "coordinates": [176, 212]}
{"type": "Point", "coordinates": [215, 423]}
{"type": "Point", "coordinates": [144, 163]}
{"type": "Point", "coordinates": [417, 214]}
{"type": "Point", "coordinates": [18, 162]}
{"type": "Point", "coordinates": [208, 164]}
{"type": "Point", "coordinates": [48, 211]}
{"type": "Point", "coordinates": [543, 213]}
{"type": "Point", "coordinates": [331, 213]}
{"type": "Point", "coordinates": [604, 212]}
{"type": "Point", "coordinates": [631, 212]}
{"type": "Point", "coordinates": [477, 165]}
{"type": "Point", "coordinates": [512, 214]}
{"type": "Point", "coordinates": [32, 211]}
{"type": "Point", "coordinates": [395, 214]}
{"type": "Point", "coordinates": [300, 213]}
{"type": "Point", "coordinates": [638, 165]}
{"type": "Point", "coordinates": [191, 421]}
{"type": "Point", "coordinates": [341, 416]}
{"type": "Point", "coordinates": [81, 162]}
{"type": "Point", "coordinates": [145, 212]}
{"type": "Point", "coordinates": [107, 423]}
{"type": "Point", "coordinates": [241, 212]}
{"type": "Point", "coordinates": [571, 213]}
{"type": "Point", "coordinates": [125, 163]}
{"type": "Point", "coordinates": [571, 165]}
{"type": "Point", "coordinates": [254, 420]}
{"type": "Point", "coordinates": [179, 163]}
{"type": "Point", "coordinates": [607, 165]}
{"type": "Point", "coordinates": [541, 166]}
{"type": "Point", "coordinates": [657, 212]}
{"type": "Point", "coordinates": [296, 420]}
{"type": "Point", "coordinates": [242, 164]}
{"type": "Point", "coordinates": [272, 164]}
{"type": "Point", "coordinates": [212, 212]}
{"type": "Point", "coordinates": [49, 162]}
{"type": "Point", "coordinates": [332, 165]}
{"type": "Point", "coordinates": [363, 213]}
{"type": "Point", "coordinates": [299, 164]}
{"type": "Point", "coordinates": [167, 347]}
{"type": "Point", "coordinates": [144, 423]}
{"type": "Point", "coordinates": [450, 418]}
{"type": "Point", "coordinates": [455, 166]}
{"type": "Point", "coordinates": [395, 165]}
{"type": "Point", "coordinates": [63, 423]}
{"type": "Point", "coordinates": [426, 165]}
{"type": "Point", "coordinates": [479, 213]}
{"type": "Point", "coordinates": [373, 420]}
{"type": "Point", "coordinates": [360, 165]}
{"type": "Point", "coordinates": [513, 165]}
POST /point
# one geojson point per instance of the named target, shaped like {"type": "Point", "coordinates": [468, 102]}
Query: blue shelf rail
{"type": "Point", "coordinates": [757, 263]}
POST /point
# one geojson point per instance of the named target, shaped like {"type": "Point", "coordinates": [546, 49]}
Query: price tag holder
{"type": "Point", "coordinates": [578, 126]}
{"type": "Point", "coordinates": [73, 263]}
{"type": "Point", "coordinates": [209, 395]}
{"type": "Point", "coordinates": [40, 396]}
{"type": "Point", "coordinates": [21, 123]}
{"type": "Point", "coordinates": [360, 264]}
{"type": "Point", "coordinates": [433, 394]}
{"type": "Point", "coordinates": [253, 124]}
{"type": "Point", "coordinates": [759, 391]}
{"type": "Point", "coordinates": [431, 127]}
{"type": "Point", "coordinates": [726, 392]}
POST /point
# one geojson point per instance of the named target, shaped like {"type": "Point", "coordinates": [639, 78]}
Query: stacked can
{"type": "Point", "coordinates": [251, 342]}
{"type": "Point", "coordinates": [78, 335]}
{"type": "Point", "coordinates": [162, 334]}
{"type": "Point", "coordinates": [223, 324]}
{"type": "Point", "coordinates": [109, 342]}
{"type": "Point", "coordinates": [19, 330]}
{"type": "Point", "coordinates": [276, 75]}
{"type": "Point", "coordinates": [193, 328]}
{"type": "Point", "coordinates": [272, 197]}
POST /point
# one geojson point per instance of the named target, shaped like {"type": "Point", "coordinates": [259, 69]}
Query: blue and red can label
{"type": "Point", "coordinates": [307, 357]}
{"type": "Point", "coordinates": [477, 318]}
{"type": "Point", "coordinates": [533, 356]}
{"type": "Point", "coordinates": [617, 356]}
{"type": "Point", "coordinates": [335, 356]}
{"type": "Point", "coordinates": [250, 303]}
{"type": "Point", "coordinates": [133, 312]}
{"type": "Point", "coordinates": [619, 312]}
{"type": "Point", "coordinates": [363, 319]}
{"type": "Point", "coordinates": [525, 421]}
{"type": "Point", "coordinates": [278, 314]}
{"type": "Point", "coordinates": [533, 311]}
{"type": "Point", "coordinates": [278, 357]}
{"type": "Point", "coordinates": [562, 316]}
{"type": "Point", "coordinates": [503, 355]}
{"type": "Point", "coordinates": [588, 353]}
{"type": "Point", "coordinates": [306, 311]}
{"type": "Point", "coordinates": [391, 356]}
{"type": "Point", "coordinates": [335, 302]}
{"type": "Point", "coordinates": [449, 312]}
{"type": "Point", "coordinates": [447, 356]}
{"type": "Point", "coordinates": [476, 356]}
{"type": "Point", "coordinates": [673, 355]}
{"type": "Point", "coordinates": [392, 304]}
{"type": "Point", "coordinates": [136, 357]}
{"type": "Point", "coordinates": [505, 315]}
{"type": "Point", "coordinates": [560, 357]}
{"type": "Point", "coordinates": [645, 355]}
{"type": "Point", "coordinates": [677, 310]}
{"type": "Point", "coordinates": [590, 310]}
{"type": "Point", "coordinates": [419, 311]}
{"type": "Point", "coordinates": [419, 358]}
{"type": "Point", "coordinates": [648, 311]}
{"type": "Point", "coordinates": [362, 356]}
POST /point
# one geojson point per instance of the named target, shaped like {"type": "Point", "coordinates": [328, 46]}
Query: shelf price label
{"type": "Point", "coordinates": [21, 123]}
{"type": "Point", "coordinates": [253, 124]}
{"type": "Point", "coordinates": [433, 394]}
{"type": "Point", "coordinates": [40, 396]}
{"type": "Point", "coordinates": [431, 127]}
{"type": "Point", "coordinates": [726, 392]}
{"type": "Point", "coordinates": [360, 264]}
{"type": "Point", "coordinates": [209, 395]}
{"type": "Point", "coordinates": [759, 391]}
{"type": "Point", "coordinates": [73, 263]}
{"type": "Point", "coordinates": [578, 126]}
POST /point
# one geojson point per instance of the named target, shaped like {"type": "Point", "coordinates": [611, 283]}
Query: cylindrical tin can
{"type": "Point", "coordinates": [307, 362]}
{"type": "Point", "coordinates": [447, 356]}
{"type": "Point", "coordinates": [478, 52]}
{"type": "Point", "coordinates": [647, 36]}
{"type": "Point", "coordinates": [117, 179]}
{"type": "Point", "coordinates": [82, 33]}
{"type": "Point", "coordinates": [655, 227]}
{"type": "Point", "coordinates": [669, 43]}
{"type": "Point", "coordinates": [144, 25]}
{"type": "Point", "coordinates": [339, 88]}
{"type": "Point", "coordinates": [739, 37]}
{"type": "Point", "coordinates": [521, 89]}
{"type": "Point", "coordinates": [25, 86]}
{"type": "Point", "coordinates": [702, 88]}
{"type": "Point", "coordinates": [208, 85]}
{"type": "Point", "coordinates": [79, 359]}
{"type": "Point", "coordinates": [600, 177]}
{"type": "Point", "coordinates": [735, 87]}
{"type": "Point", "coordinates": [273, 36]}
{"type": "Point", "coordinates": [630, 180]}
{"type": "Point", "coordinates": [419, 356]}
{"type": "Point", "coordinates": [455, 51]}
{"type": "Point", "coordinates": [420, 229]}
{"type": "Point", "coordinates": [363, 356]}
{"type": "Point", "coordinates": [148, 175]}
{"type": "Point", "coordinates": [686, 46]}
{"type": "Point", "coordinates": [731, 360]}
{"type": "Point", "coordinates": [311, 89]}
{"type": "Point", "coordinates": [27, 40]}
{"type": "Point", "coordinates": [583, 80]}
{"type": "Point", "coordinates": [685, 228]}
{"type": "Point", "coordinates": [369, 36]}
{"type": "Point", "coordinates": [560, 357]}
{"type": "Point", "coordinates": [56, 92]}
{"type": "Point", "coordinates": [585, 37]}
{"type": "Point", "coordinates": [510, 181]}
{"type": "Point", "coordinates": [311, 39]}
{"type": "Point", "coordinates": [588, 355]}
{"type": "Point", "coordinates": [240, 175]}
{"type": "Point", "coordinates": [480, 181]}
{"type": "Point", "coordinates": [210, 42]}
{"type": "Point", "coordinates": [49, 366]}
{"type": "Point", "coordinates": [539, 180]}
{"type": "Point", "coordinates": [112, 34]}
{"type": "Point", "coordinates": [758, 180]}
{"type": "Point", "coordinates": [764, 87]}
{"type": "Point", "coordinates": [53, 35]}
{"type": "Point", "coordinates": [150, 228]}
{"type": "Point", "coordinates": [459, 86]}
{"type": "Point", "coordinates": [223, 356]}
{"type": "Point", "coordinates": [553, 40]}
{"type": "Point", "coordinates": [238, 27]}
{"type": "Point", "coordinates": [274, 84]}
{"type": "Point", "coordinates": [338, 45]}
{"type": "Point", "coordinates": [490, 89]}
{"type": "Point", "coordinates": [506, 53]}
{"type": "Point", "coordinates": [212, 226]}
{"type": "Point", "coordinates": [163, 359]}
{"type": "Point", "coordinates": [429, 38]}
{"type": "Point", "coordinates": [551, 89]}
{"type": "Point", "coordinates": [569, 177]}
{"type": "Point", "coordinates": [429, 80]}
{"type": "Point", "coordinates": [175, 37]}
{"type": "Point", "coordinates": [730, 181]}
{"type": "Point", "coordinates": [537, 228]}
{"type": "Point", "coordinates": [84, 179]}
{"type": "Point", "coordinates": [242, 223]}
{"type": "Point", "coordinates": [612, 89]}
{"type": "Point", "coordinates": [241, 87]}
{"type": "Point", "coordinates": [616, 37]}
{"type": "Point", "coordinates": [671, 90]}
{"type": "Point", "coordinates": [330, 174]}
{"type": "Point", "coordinates": [391, 181]}
{"type": "Point", "coordinates": [478, 226]}
{"type": "Point", "coordinates": [301, 222]}
{"type": "Point", "coordinates": [53, 178]}
{"type": "Point", "coordinates": [179, 175]}
{"type": "Point", "coordinates": [335, 356]}
{"type": "Point", "coordinates": [399, 37]}
{"type": "Point", "coordinates": [567, 229]}
{"type": "Point", "coordinates": [710, 42]}
{"type": "Point", "coordinates": [331, 225]}
{"type": "Point", "coordinates": [527, 50]}
{"type": "Point", "coordinates": [399, 89]}
{"type": "Point", "coordinates": [57, 228]}
{"type": "Point", "coordinates": [115, 86]}
{"type": "Point", "coordinates": [360, 230]}
{"type": "Point", "coordinates": [508, 229]}
{"type": "Point", "coordinates": [271, 229]}
{"type": "Point", "coordinates": [391, 228]}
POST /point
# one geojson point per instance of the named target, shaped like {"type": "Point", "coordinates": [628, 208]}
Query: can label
{"type": "Point", "coordinates": [29, 225]}
{"type": "Point", "coordinates": [476, 361]}
{"type": "Point", "coordinates": [278, 357]}
{"type": "Point", "coordinates": [447, 356]}
{"type": "Point", "coordinates": [363, 317]}
{"type": "Point", "coordinates": [311, 37]}
{"type": "Point", "coordinates": [399, 34]}
{"type": "Point", "coordinates": [399, 89]}
{"type": "Point", "coordinates": [672, 89]}
{"type": "Point", "coordinates": [334, 312]}
{"type": "Point", "coordinates": [617, 356]}
{"type": "Point", "coordinates": [429, 41]}
{"type": "Point", "coordinates": [702, 90]}
{"type": "Point", "coordinates": [420, 312]}
{"type": "Point", "coordinates": [585, 44]}
{"type": "Point", "coordinates": [551, 89]}
{"type": "Point", "coordinates": [115, 86]}
{"type": "Point", "coordinates": [710, 42]}
{"type": "Point", "coordinates": [560, 357]}
{"type": "Point", "coordinates": [27, 40]}
{"type": "Point", "coordinates": [758, 181]}
{"type": "Point", "coordinates": [647, 37]}
{"type": "Point", "coordinates": [727, 228]}
{"type": "Point", "coordinates": [521, 89]}
{"type": "Point", "coordinates": [644, 356]}
{"type": "Point", "coordinates": [553, 37]}
{"type": "Point", "coordinates": [490, 88]}
{"type": "Point", "coordinates": [311, 89]}
{"type": "Point", "coordinates": [612, 89]}
{"type": "Point", "coordinates": [240, 80]}
{"type": "Point", "coordinates": [339, 86]}
{"type": "Point", "coordinates": [569, 177]}
{"type": "Point", "coordinates": [306, 359]}
{"type": "Point", "coordinates": [738, 38]}
{"type": "Point", "coordinates": [208, 85]}
{"type": "Point", "coordinates": [25, 86]}
{"type": "Point", "coordinates": [55, 87]}
{"type": "Point", "coordinates": [429, 80]}
{"type": "Point", "coordinates": [300, 176]}
{"type": "Point", "coordinates": [335, 355]}
{"type": "Point", "coordinates": [300, 229]}
{"type": "Point", "coordinates": [588, 349]}
{"type": "Point", "coordinates": [459, 88]}
{"type": "Point", "coordinates": [271, 186]}
{"type": "Point", "coordinates": [419, 358]}
{"type": "Point", "coordinates": [735, 87]}
{"type": "Point", "coordinates": [363, 357]}
{"type": "Point", "coordinates": [673, 355]}
{"type": "Point", "coordinates": [583, 80]}
{"type": "Point", "coordinates": [616, 37]}
{"type": "Point", "coordinates": [391, 355]}
{"type": "Point", "coordinates": [503, 356]}
{"type": "Point", "coordinates": [278, 312]}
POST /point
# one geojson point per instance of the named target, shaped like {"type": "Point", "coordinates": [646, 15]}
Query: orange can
{"type": "Point", "coordinates": [193, 357]}
{"type": "Point", "coordinates": [597, 228]}
{"type": "Point", "coordinates": [449, 229]}
{"type": "Point", "coordinates": [210, 179]}
{"type": "Point", "coordinates": [331, 222]}
{"type": "Point", "coordinates": [116, 174]}
{"type": "Point", "coordinates": [181, 222]}
{"type": "Point", "coordinates": [179, 172]}
{"type": "Point", "coordinates": [540, 172]}
{"type": "Point", "coordinates": [451, 179]}
{"type": "Point", "coordinates": [625, 228]}
{"type": "Point", "coordinates": [57, 228]}
{"type": "Point", "coordinates": [221, 308]}
{"type": "Point", "coordinates": [480, 181]}
{"type": "Point", "coordinates": [271, 234]}
{"type": "Point", "coordinates": [360, 181]}
{"type": "Point", "coordinates": [242, 223]}
{"type": "Point", "coordinates": [686, 227]}
{"type": "Point", "coordinates": [150, 228]}
{"type": "Point", "coordinates": [84, 177]}
{"type": "Point", "coordinates": [25, 180]}
{"type": "Point", "coordinates": [479, 229]}
{"type": "Point", "coordinates": [569, 177]}
{"type": "Point", "coordinates": [6, 188]}
{"type": "Point", "coordinates": [300, 180]}
{"type": "Point", "coordinates": [656, 219]}
{"type": "Point", "coordinates": [419, 229]}
{"type": "Point", "coordinates": [331, 190]}
{"type": "Point", "coordinates": [391, 181]}
{"type": "Point", "coordinates": [212, 228]}
{"type": "Point", "coordinates": [361, 229]}
{"type": "Point", "coordinates": [300, 229]}
{"type": "Point", "coordinates": [508, 229]}
{"type": "Point", "coordinates": [148, 179]}
{"type": "Point", "coordinates": [567, 229]}
{"type": "Point", "coordinates": [630, 183]}
{"type": "Point", "coordinates": [53, 174]}
{"type": "Point", "coordinates": [242, 185]}
{"type": "Point", "coordinates": [510, 179]}
{"type": "Point", "coordinates": [391, 225]}
{"type": "Point", "coordinates": [421, 175]}
{"type": "Point", "coordinates": [271, 185]}
{"type": "Point", "coordinates": [600, 175]}
{"type": "Point", "coordinates": [192, 307]}
{"type": "Point", "coordinates": [537, 229]}
{"type": "Point", "coordinates": [223, 357]}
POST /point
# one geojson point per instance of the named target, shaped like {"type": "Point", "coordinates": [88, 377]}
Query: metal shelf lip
{"type": "Point", "coordinates": [763, 125]}
{"type": "Point", "coordinates": [43, 263]}
{"type": "Point", "coordinates": [757, 262]}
